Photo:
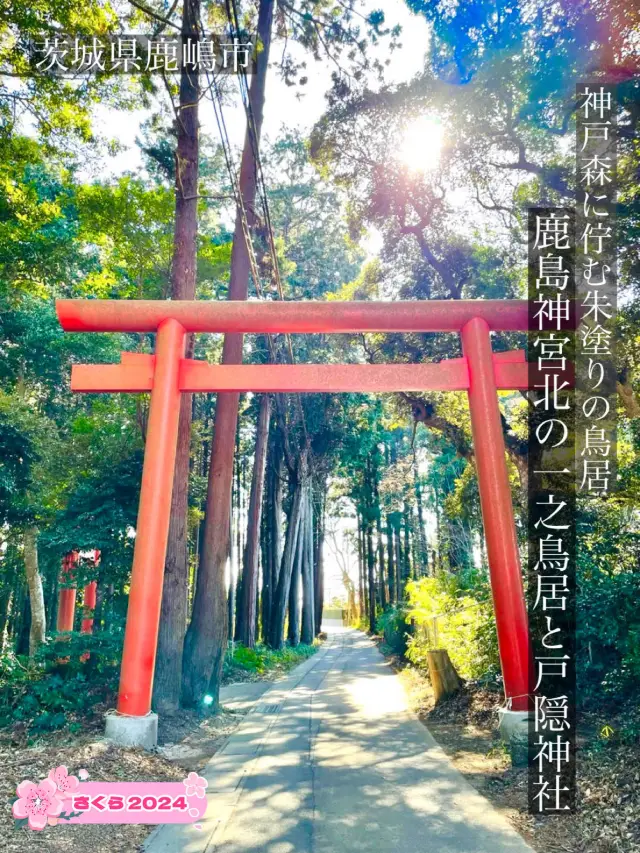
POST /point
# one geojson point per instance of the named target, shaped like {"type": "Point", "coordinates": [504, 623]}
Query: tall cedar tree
{"type": "Point", "coordinates": [173, 619]}
{"type": "Point", "coordinates": [207, 634]}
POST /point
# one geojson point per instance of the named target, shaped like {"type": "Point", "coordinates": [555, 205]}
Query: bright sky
{"type": "Point", "coordinates": [286, 107]}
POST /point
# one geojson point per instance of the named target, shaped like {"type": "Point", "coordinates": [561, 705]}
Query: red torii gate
{"type": "Point", "coordinates": [167, 374]}
{"type": "Point", "coordinates": [67, 595]}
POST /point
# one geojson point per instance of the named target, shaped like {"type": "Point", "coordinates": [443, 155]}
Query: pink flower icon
{"type": "Point", "coordinates": [65, 784]}
{"type": "Point", "coordinates": [83, 774]}
{"type": "Point", "coordinates": [37, 802]}
{"type": "Point", "coordinates": [195, 785]}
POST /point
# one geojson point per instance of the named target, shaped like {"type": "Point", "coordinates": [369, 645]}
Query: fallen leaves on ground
{"type": "Point", "coordinates": [608, 773]}
{"type": "Point", "coordinates": [103, 762]}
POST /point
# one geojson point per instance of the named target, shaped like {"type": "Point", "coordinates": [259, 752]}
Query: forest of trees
{"type": "Point", "coordinates": [260, 478]}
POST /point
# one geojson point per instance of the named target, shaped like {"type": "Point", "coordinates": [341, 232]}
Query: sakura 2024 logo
{"type": "Point", "coordinates": [61, 797]}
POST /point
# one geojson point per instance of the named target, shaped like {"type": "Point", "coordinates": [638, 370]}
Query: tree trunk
{"type": "Point", "coordinates": [444, 678]}
{"type": "Point", "coordinates": [391, 562]}
{"type": "Point", "coordinates": [293, 632]}
{"type": "Point", "coordinates": [173, 616]}
{"type": "Point", "coordinates": [308, 608]}
{"type": "Point", "coordinates": [256, 610]}
{"type": "Point", "coordinates": [38, 627]}
{"type": "Point", "coordinates": [5, 606]}
{"type": "Point", "coordinates": [207, 634]}
{"type": "Point", "coordinates": [381, 588]}
{"type": "Point", "coordinates": [422, 534]}
{"type": "Point", "coordinates": [265, 561]}
{"type": "Point", "coordinates": [362, 591]}
{"type": "Point", "coordinates": [249, 591]}
{"type": "Point", "coordinates": [51, 600]}
{"type": "Point", "coordinates": [231, 592]}
{"type": "Point", "coordinates": [399, 579]}
{"type": "Point", "coordinates": [281, 596]}
{"type": "Point", "coordinates": [407, 545]}
{"type": "Point", "coordinates": [371, 578]}
{"type": "Point", "coordinates": [318, 563]}
{"type": "Point", "coordinates": [235, 543]}
{"type": "Point", "coordinates": [273, 531]}
{"type": "Point", "coordinates": [416, 562]}
{"type": "Point", "coordinates": [244, 509]}
{"type": "Point", "coordinates": [237, 563]}
{"type": "Point", "coordinates": [22, 626]}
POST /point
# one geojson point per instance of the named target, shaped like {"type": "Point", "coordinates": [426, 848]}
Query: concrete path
{"type": "Point", "coordinates": [243, 695]}
{"type": "Point", "coordinates": [330, 760]}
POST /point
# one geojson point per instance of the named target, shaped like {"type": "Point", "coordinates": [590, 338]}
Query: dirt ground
{"type": "Point", "coordinates": [608, 816]}
{"type": "Point", "coordinates": [186, 741]}
{"type": "Point", "coordinates": [198, 740]}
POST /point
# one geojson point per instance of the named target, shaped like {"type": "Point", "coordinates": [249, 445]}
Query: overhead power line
{"type": "Point", "coordinates": [232, 16]}
{"type": "Point", "coordinates": [214, 95]}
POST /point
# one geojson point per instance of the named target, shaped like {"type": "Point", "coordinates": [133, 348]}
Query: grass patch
{"type": "Point", "coordinates": [262, 663]}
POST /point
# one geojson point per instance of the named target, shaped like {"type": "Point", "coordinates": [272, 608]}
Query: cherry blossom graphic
{"type": "Point", "coordinates": [83, 774]}
{"type": "Point", "coordinates": [195, 785]}
{"type": "Point", "coordinates": [37, 802]}
{"type": "Point", "coordinates": [65, 784]}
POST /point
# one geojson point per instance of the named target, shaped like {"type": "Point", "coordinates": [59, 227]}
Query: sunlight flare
{"type": "Point", "coordinates": [421, 144]}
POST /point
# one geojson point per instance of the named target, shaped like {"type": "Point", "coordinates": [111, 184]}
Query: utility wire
{"type": "Point", "coordinates": [232, 16]}
{"type": "Point", "coordinates": [213, 93]}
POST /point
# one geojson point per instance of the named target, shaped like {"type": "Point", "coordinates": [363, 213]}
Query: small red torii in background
{"type": "Point", "coordinates": [67, 594]}
{"type": "Point", "coordinates": [168, 374]}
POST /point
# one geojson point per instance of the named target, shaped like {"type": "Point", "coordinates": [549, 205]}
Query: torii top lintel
{"type": "Point", "coordinates": [136, 372]}
{"type": "Point", "coordinates": [98, 315]}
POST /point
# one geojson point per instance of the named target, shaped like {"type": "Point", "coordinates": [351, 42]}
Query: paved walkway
{"type": "Point", "coordinates": [330, 760]}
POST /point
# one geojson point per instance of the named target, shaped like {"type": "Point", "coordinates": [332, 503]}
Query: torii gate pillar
{"type": "Point", "coordinates": [497, 514]}
{"type": "Point", "coordinates": [135, 724]}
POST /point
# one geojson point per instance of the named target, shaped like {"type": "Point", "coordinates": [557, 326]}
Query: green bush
{"type": "Point", "coordinates": [449, 617]}
{"type": "Point", "coordinates": [247, 659]}
{"type": "Point", "coordinates": [362, 624]}
{"type": "Point", "coordinates": [392, 625]}
{"type": "Point", "coordinates": [608, 619]}
{"type": "Point", "coordinates": [68, 677]}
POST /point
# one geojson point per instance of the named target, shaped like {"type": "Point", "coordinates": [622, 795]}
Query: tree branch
{"type": "Point", "coordinates": [167, 21]}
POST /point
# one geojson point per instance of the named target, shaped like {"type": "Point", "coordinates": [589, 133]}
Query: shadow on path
{"type": "Point", "coordinates": [330, 760]}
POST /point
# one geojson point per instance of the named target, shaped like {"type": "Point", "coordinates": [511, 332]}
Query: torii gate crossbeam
{"type": "Point", "coordinates": [167, 374]}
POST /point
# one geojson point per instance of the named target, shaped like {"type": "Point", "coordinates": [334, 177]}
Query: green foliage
{"type": "Point", "coordinates": [392, 624]}
{"type": "Point", "coordinates": [608, 629]}
{"type": "Point", "coordinates": [456, 619]}
{"type": "Point", "coordinates": [69, 677]}
{"type": "Point", "coordinates": [247, 659]}
{"type": "Point", "coordinates": [38, 222]}
{"type": "Point", "coordinates": [243, 664]}
{"type": "Point", "coordinates": [18, 456]}
{"type": "Point", "coordinates": [72, 464]}
{"type": "Point", "coordinates": [89, 654]}
{"type": "Point", "coordinates": [59, 108]}
{"type": "Point", "coordinates": [129, 224]}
